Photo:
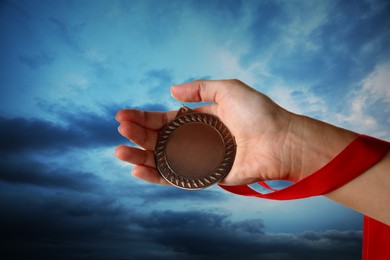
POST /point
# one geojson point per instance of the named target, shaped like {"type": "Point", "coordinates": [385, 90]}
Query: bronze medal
{"type": "Point", "coordinates": [195, 150]}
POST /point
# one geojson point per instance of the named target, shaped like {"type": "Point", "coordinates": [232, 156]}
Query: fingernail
{"type": "Point", "coordinates": [173, 87]}
{"type": "Point", "coordinates": [117, 116]}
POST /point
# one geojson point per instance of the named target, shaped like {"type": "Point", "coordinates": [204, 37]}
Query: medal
{"type": "Point", "coordinates": [194, 150]}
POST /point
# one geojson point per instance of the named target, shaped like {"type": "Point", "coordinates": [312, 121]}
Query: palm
{"type": "Point", "coordinates": [258, 125]}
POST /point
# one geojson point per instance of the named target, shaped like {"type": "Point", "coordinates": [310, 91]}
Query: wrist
{"type": "Point", "coordinates": [313, 143]}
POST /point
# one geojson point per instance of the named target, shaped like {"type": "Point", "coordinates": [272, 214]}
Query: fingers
{"type": "Point", "coordinates": [135, 156]}
{"type": "Point", "coordinates": [145, 168]}
{"type": "Point", "coordinates": [149, 174]}
{"type": "Point", "coordinates": [202, 90]}
{"type": "Point", "coordinates": [144, 137]}
{"type": "Point", "coordinates": [151, 120]}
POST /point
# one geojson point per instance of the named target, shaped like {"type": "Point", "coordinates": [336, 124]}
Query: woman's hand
{"type": "Point", "coordinates": [272, 143]}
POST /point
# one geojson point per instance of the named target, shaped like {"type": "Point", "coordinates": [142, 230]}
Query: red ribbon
{"type": "Point", "coordinates": [355, 159]}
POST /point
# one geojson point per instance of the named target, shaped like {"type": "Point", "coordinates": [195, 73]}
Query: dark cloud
{"type": "Point", "coordinates": [50, 211]}
{"type": "Point", "coordinates": [150, 194]}
{"type": "Point", "coordinates": [25, 171]}
{"type": "Point", "coordinates": [78, 130]}
{"type": "Point", "coordinates": [36, 134]}
{"type": "Point", "coordinates": [22, 139]}
{"type": "Point", "coordinates": [65, 226]}
{"type": "Point", "coordinates": [210, 235]}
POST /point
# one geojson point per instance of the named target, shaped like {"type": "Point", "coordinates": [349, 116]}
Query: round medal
{"type": "Point", "coordinates": [195, 150]}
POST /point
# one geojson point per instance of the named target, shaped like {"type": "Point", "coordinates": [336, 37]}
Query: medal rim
{"type": "Point", "coordinates": [194, 183]}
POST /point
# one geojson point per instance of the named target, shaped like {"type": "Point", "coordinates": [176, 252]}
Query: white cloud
{"type": "Point", "coordinates": [365, 110]}
{"type": "Point", "coordinates": [298, 99]}
{"type": "Point", "coordinates": [372, 95]}
{"type": "Point", "coordinates": [377, 84]}
{"type": "Point", "coordinates": [227, 64]}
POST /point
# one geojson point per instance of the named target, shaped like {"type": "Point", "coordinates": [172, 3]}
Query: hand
{"type": "Point", "coordinates": [271, 142]}
{"type": "Point", "coordinates": [259, 125]}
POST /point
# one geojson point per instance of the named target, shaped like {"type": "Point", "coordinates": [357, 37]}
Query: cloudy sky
{"type": "Point", "coordinates": [67, 66]}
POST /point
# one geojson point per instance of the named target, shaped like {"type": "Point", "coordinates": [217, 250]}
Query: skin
{"type": "Point", "coordinates": [272, 143]}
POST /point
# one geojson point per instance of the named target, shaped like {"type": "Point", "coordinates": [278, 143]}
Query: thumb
{"type": "Point", "coordinates": [199, 91]}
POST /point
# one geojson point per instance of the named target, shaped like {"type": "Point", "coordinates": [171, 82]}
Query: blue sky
{"type": "Point", "coordinates": [68, 66]}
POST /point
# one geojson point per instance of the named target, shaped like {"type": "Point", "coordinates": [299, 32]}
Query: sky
{"type": "Point", "coordinates": [67, 67]}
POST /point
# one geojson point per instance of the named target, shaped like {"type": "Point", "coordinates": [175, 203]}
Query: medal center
{"type": "Point", "coordinates": [195, 150]}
